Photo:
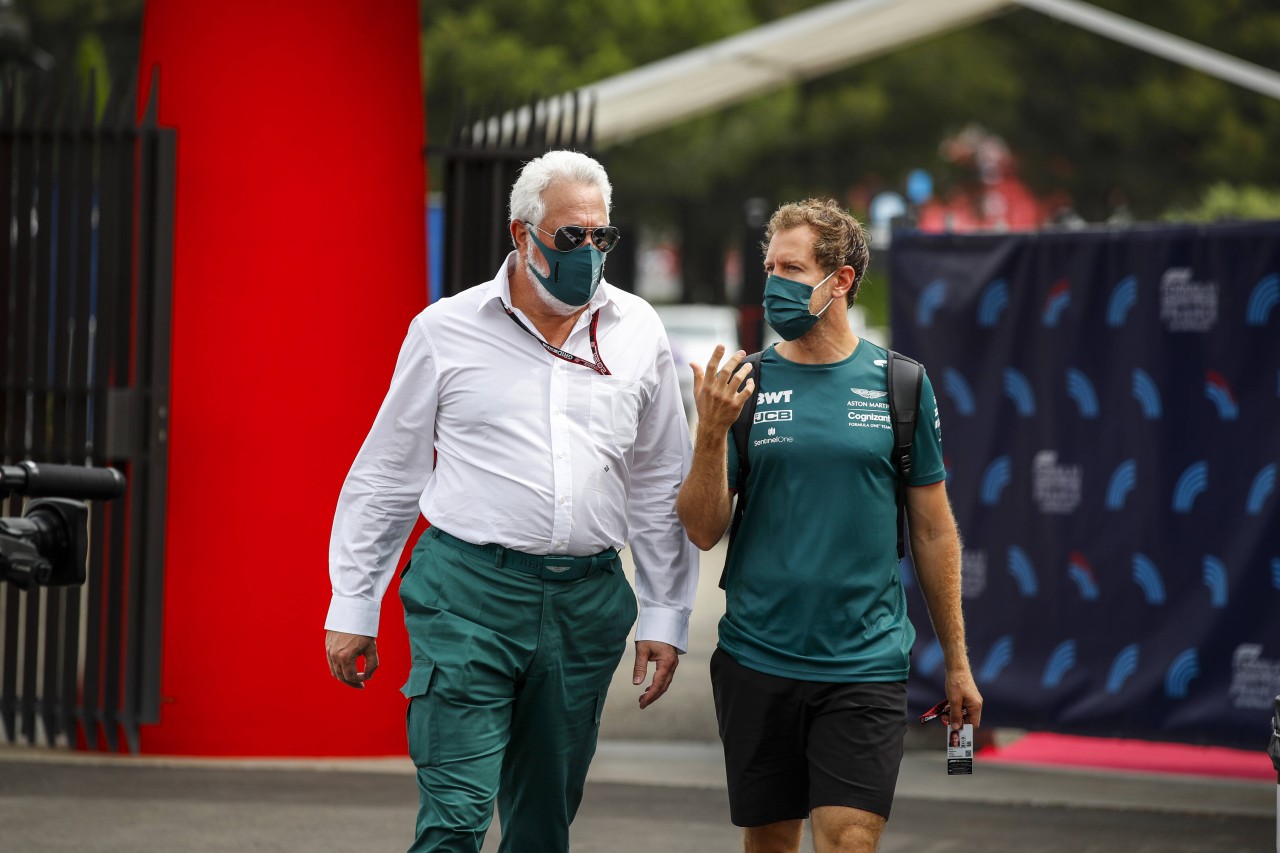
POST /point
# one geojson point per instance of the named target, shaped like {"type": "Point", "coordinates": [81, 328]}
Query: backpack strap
{"type": "Point", "coordinates": [740, 432]}
{"type": "Point", "coordinates": [905, 378]}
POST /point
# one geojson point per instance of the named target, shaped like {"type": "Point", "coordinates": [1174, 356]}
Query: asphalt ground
{"type": "Point", "coordinates": [657, 784]}
{"type": "Point", "coordinates": [641, 796]}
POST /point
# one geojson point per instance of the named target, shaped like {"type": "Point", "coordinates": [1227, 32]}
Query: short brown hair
{"type": "Point", "coordinates": [841, 238]}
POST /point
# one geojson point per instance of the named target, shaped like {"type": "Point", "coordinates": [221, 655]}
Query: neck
{"type": "Point", "coordinates": [829, 341]}
{"type": "Point", "coordinates": [555, 328]}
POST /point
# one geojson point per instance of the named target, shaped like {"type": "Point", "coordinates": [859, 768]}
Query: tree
{"type": "Point", "coordinates": [1104, 123]}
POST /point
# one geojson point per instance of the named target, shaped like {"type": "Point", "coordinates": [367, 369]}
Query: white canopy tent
{"type": "Point", "coordinates": [823, 39]}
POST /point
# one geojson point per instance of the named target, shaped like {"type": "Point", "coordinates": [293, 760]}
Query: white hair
{"type": "Point", "coordinates": [551, 168]}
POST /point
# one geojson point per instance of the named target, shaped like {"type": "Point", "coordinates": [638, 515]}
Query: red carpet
{"type": "Point", "coordinates": [1146, 756]}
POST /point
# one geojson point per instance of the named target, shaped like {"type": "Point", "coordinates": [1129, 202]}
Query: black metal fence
{"type": "Point", "coordinates": [484, 154]}
{"type": "Point", "coordinates": [87, 205]}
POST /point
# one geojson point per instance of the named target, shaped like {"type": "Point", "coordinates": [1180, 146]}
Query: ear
{"type": "Point", "coordinates": [843, 281]}
{"type": "Point", "coordinates": [519, 233]}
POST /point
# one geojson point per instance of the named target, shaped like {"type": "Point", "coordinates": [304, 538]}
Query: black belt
{"type": "Point", "coordinates": [547, 566]}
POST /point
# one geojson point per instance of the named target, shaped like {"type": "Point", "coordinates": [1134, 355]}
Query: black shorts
{"type": "Point", "coordinates": [791, 746]}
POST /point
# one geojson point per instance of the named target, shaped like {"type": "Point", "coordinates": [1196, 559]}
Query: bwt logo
{"type": "Point", "coordinates": [765, 397]}
{"type": "Point", "coordinates": [773, 415]}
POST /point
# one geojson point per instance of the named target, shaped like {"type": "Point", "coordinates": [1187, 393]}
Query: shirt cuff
{"type": "Point", "coordinates": [665, 626]}
{"type": "Point", "coordinates": [353, 616]}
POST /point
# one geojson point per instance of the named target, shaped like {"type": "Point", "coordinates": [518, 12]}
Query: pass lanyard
{"type": "Point", "coordinates": [598, 367]}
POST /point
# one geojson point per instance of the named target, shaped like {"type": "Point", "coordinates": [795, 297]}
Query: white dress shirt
{"type": "Point", "coordinates": [532, 452]}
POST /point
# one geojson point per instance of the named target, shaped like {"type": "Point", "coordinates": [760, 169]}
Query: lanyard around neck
{"type": "Point", "coordinates": [598, 367]}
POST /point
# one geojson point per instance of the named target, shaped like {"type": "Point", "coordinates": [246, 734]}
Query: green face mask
{"type": "Point", "coordinates": [575, 274]}
{"type": "Point", "coordinates": [786, 306]}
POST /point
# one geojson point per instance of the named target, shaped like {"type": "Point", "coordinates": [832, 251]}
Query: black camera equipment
{"type": "Point", "coordinates": [47, 545]}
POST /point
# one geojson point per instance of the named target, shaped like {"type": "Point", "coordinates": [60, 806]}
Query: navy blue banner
{"type": "Point", "coordinates": [1110, 407]}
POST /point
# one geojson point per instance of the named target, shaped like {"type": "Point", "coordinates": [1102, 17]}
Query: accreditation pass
{"type": "Point", "coordinates": [960, 750]}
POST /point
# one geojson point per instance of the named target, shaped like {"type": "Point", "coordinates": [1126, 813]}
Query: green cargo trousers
{"type": "Point", "coordinates": [509, 676]}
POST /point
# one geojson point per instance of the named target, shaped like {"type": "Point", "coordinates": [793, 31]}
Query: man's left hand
{"type": "Point", "coordinates": [962, 693]}
{"type": "Point", "coordinates": [667, 659]}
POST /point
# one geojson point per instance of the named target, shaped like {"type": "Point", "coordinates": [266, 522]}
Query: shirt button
{"type": "Point", "coordinates": [564, 500]}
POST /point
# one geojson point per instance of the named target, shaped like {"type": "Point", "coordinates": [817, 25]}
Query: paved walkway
{"type": "Point", "coordinates": [656, 786]}
{"type": "Point", "coordinates": [641, 796]}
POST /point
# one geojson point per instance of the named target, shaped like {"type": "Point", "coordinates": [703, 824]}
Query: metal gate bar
{"type": "Point", "coordinates": [85, 317]}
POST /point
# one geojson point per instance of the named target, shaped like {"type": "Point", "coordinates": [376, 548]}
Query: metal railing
{"type": "Point", "coordinates": [480, 163]}
{"type": "Point", "coordinates": [85, 296]}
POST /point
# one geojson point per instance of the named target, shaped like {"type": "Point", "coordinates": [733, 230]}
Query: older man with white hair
{"type": "Point", "coordinates": [536, 422]}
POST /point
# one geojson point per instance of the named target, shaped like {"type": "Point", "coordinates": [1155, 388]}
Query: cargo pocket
{"type": "Point", "coordinates": [600, 697]}
{"type": "Point", "coordinates": [420, 717]}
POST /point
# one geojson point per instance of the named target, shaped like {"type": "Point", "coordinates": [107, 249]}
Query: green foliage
{"type": "Point", "coordinates": [1224, 201]}
{"type": "Point", "coordinates": [82, 38]}
{"type": "Point", "coordinates": [91, 63]}
{"type": "Point", "coordinates": [1102, 123]}
{"type": "Point", "coordinates": [518, 49]}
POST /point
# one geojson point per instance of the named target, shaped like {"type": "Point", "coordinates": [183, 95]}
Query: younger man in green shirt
{"type": "Point", "coordinates": [810, 674]}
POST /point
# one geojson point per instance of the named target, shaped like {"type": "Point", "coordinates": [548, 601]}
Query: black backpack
{"type": "Point", "coordinates": [905, 378]}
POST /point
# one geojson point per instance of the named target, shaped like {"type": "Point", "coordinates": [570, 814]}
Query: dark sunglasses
{"type": "Point", "coordinates": [569, 237]}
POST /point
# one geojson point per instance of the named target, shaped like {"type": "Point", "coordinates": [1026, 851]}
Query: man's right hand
{"type": "Point", "coordinates": [344, 651]}
{"type": "Point", "coordinates": [715, 391]}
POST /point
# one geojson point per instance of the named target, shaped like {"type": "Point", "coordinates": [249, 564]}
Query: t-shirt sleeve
{"type": "Point", "coordinates": [927, 466]}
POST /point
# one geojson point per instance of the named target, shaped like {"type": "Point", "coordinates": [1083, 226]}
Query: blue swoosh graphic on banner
{"type": "Point", "coordinates": [1000, 656]}
{"type": "Point", "coordinates": [1215, 577]}
{"type": "Point", "coordinates": [1123, 666]}
{"type": "Point", "coordinates": [1147, 394]}
{"type": "Point", "coordinates": [995, 298]}
{"type": "Point", "coordinates": [958, 390]}
{"type": "Point", "coordinates": [994, 480]}
{"type": "Point", "coordinates": [1123, 298]}
{"type": "Point", "coordinates": [1265, 297]}
{"type": "Point", "coordinates": [1060, 662]}
{"type": "Point", "coordinates": [1057, 302]}
{"type": "Point", "coordinates": [1219, 393]}
{"type": "Point", "coordinates": [1080, 389]}
{"type": "Point", "coordinates": [930, 659]}
{"type": "Point", "coordinates": [1018, 389]}
{"type": "Point", "coordinates": [931, 299]}
{"type": "Point", "coordinates": [1084, 582]}
{"type": "Point", "coordinates": [1023, 571]}
{"type": "Point", "coordinates": [1191, 484]}
{"type": "Point", "coordinates": [1264, 484]}
{"type": "Point", "coordinates": [1147, 577]}
{"type": "Point", "coordinates": [1123, 481]}
{"type": "Point", "coordinates": [1177, 679]}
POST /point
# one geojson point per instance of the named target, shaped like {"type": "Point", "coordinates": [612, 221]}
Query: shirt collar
{"type": "Point", "coordinates": [499, 287]}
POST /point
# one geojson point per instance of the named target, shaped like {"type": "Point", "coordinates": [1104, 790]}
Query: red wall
{"type": "Point", "coordinates": [299, 260]}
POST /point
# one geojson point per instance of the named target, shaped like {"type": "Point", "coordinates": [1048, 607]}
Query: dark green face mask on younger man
{"type": "Point", "coordinates": [786, 306]}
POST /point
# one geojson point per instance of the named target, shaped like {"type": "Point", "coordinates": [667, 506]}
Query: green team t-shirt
{"type": "Point", "coordinates": [813, 590]}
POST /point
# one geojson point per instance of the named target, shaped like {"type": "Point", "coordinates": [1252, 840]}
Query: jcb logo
{"type": "Point", "coordinates": [773, 397]}
{"type": "Point", "coordinates": [773, 415]}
